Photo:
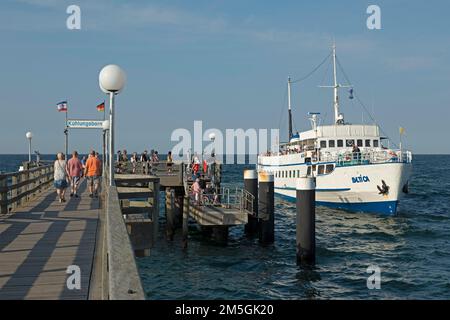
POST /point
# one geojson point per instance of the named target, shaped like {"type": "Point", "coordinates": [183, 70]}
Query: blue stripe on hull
{"type": "Point", "coordinates": [380, 207]}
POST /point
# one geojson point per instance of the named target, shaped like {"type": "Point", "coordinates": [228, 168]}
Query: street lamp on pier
{"type": "Point", "coordinates": [111, 80]}
{"type": "Point", "coordinates": [29, 136]}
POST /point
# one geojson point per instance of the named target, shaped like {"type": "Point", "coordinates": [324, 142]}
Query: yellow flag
{"type": "Point", "coordinates": [402, 130]}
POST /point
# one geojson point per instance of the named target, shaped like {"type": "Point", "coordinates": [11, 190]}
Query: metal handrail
{"type": "Point", "coordinates": [236, 198]}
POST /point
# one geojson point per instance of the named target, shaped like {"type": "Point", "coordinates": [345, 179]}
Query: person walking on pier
{"type": "Point", "coordinates": [60, 176]}
{"type": "Point", "coordinates": [134, 161]}
{"type": "Point", "coordinates": [75, 171]}
{"type": "Point", "coordinates": [93, 172]}
{"type": "Point", "coordinates": [144, 162]}
{"type": "Point", "coordinates": [197, 190]}
{"type": "Point", "coordinates": [83, 161]}
{"type": "Point", "coordinates": [155, 157]}
{"type": "Point", "coordinates": [169, 162]}
{"type": "Point", "coordinates": [196, 164]}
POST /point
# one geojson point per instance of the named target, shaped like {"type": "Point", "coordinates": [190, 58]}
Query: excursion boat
{"type": "Point", "coordinates": [353, 168]}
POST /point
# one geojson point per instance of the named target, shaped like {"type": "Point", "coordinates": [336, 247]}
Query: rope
{"type": "Point", "coordinates": [362, 104]}
{"type": "Point", "coordinates": [313, 71]}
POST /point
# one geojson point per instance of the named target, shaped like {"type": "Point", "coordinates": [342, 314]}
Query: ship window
{"type": "Point", "coordinates": [314, 168]}
{"type": "Point", "coordinates": [331, 143]}
{"type": "Point", "coordinates": [359, 143]}
{"type": "Point", "coordinates": [308, 172]}
{"type": "Point", "coordinates": [321, 169]}
{"type": "Point", "coordinates": [329, 168]}
{"type": "Point", "coordinates": [368, 143]}
{"type": "Point", "coordinates": [375, 143]}
{"type": "Point", "coordinates": [323, 144]}
{"type": "Point", "coordinates": [290, 172]}
{"type": "Point", "coordinates": [298, 173]}
{"type": "Point", "coordinates": [340, 143]}
{"type": "Point", "coordinates": [349, 142]}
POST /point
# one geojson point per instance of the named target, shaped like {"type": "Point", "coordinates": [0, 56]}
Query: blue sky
{"type": "Point", "coordinates": [224, 62]}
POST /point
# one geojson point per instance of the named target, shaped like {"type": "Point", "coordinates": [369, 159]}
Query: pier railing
{"type": "Point", "coordinates": [16, 188]}
{"type": "Point", "coordinates": [169, 174]}
{"type": "Point", "coordinates": [124, 282]}
{"type": "Point", "coordinates": [235, 198]}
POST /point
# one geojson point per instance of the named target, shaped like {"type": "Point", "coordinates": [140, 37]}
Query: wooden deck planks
{"type": "Point", "coordinates": [40, 240]}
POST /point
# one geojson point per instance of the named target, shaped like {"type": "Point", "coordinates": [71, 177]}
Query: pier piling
{"type": "Point", "coordinates": [185, 221]}
{"type": "Point", "coordinates": [251, 186]}
{"type": "Point", "coordinates": [266, 208]}
{"type": "Point", "coordinates": [170, 213]}
{"type": "Point", "coordinates": [306, 220]}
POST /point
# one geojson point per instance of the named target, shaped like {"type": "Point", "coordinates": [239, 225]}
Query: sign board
{"type": "Point", "coordinates": [85, 124]}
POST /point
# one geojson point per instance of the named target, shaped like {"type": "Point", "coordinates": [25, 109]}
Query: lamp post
{"type": "Point", "coordinates": [111, 80]}
{"type": "Point", "coordinates": [105, 126]}
{"type": "Point", "coordinates": [29, 136]}
{"type": "Point", "coordinates": [212, 137]}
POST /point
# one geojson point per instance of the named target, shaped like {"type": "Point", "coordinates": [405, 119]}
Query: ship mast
{"type": "Point", "coordinates": [338, 117]}
{"type": "Point", "coordinates": [289, 109]}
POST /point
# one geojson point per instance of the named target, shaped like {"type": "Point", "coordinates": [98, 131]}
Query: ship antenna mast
{"type": "Point", "coordinates": [338, 117]}
{"type": "Point", "coordinates": [289, 109]}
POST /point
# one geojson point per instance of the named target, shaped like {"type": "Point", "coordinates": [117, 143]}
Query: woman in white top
{"type": "Point", "coordinates": [134, 161]}
{"type": "Point", "coordinates": [60, 176]}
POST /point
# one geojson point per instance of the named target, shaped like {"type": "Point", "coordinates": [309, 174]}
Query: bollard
{"type": "Point", "coordinates": [185, 221]}
{"type": "Point", "coordinates": [306, 220]}
{"type": "Point", "coordinates": [266, 208]}
{"type": "Point", "coordinates": [251, 186]}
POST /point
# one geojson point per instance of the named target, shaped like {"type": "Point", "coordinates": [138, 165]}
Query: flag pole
{"type": "Point", "coordinates": [66, 131]}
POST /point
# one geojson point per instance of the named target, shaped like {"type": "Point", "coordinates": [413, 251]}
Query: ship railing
{"type": "Point", "coordinates": [367, 157]}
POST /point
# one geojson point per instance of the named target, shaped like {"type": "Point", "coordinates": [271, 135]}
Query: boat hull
{"type": "Point", "coordinates": [373, 188]}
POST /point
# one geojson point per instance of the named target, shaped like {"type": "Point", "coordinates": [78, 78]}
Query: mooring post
{"type": "Point", "coordinates": [170, 204]}
{"type": "Point", "coordinates": [185, 221]}
{"type": "Point", "coordinates": [266, 208]}
{"type": "Point", "coordinates": [306, 220]}
{"type": "Point", "coordinates": [251, 186]}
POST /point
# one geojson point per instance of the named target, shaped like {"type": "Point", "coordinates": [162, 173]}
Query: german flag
{"type": "Point", "coordinates": [101, 106]}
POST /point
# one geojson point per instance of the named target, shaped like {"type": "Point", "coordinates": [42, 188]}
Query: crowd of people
{"type": "Point", "coordinates": [145, 160]}
{"type": "Point", "coordinates": [70, 173]}
{"type": "Point", "coordinates": [200, 190]}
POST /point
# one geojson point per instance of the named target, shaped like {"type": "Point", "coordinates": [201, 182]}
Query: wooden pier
{"type": "Point", "coordinates": [41, 239]}
{"type": "Point", "coordinates": [85, 248]}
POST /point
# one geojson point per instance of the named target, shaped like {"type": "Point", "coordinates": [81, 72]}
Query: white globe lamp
{"type": "Point", "coordinates": [29, 136]}
{"type": "Point", "coordinates": [111, 81]}
{"type": "Point", "coordinates": [105, 125]}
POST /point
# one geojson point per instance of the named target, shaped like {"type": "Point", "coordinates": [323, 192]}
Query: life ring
{"type": "Point", "coordinates": [393, 155]}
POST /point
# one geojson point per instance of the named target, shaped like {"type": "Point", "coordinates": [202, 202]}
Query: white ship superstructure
{"type": "Point", "coordinates": [353, 167]}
